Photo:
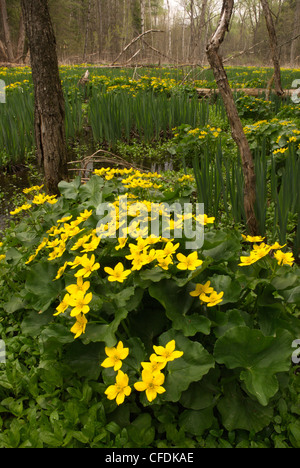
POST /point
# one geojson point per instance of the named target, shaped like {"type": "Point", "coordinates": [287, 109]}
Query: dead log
{"type": "Point", "coordinates": [255, 92]}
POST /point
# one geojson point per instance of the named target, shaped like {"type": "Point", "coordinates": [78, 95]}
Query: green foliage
{"type": "Point", "coordinates": [234, 385]}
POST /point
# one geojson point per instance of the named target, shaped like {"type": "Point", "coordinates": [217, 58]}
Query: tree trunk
{"type": "Point", "coordinates": [202, 30]}
{"type": "Point", "coordinates": [87, 32]}
{"type": "Point", "coordinates": [273, 46]}
{"type": "Point", "coordinates": [215, 61]}
{"type": "Point", "coordinates": [296, 30]}
{"type": "Point", "coordinates": [192, 37]}
{"type": "Point", "coordinates": [49, 100]}
{"type": "Point", "coordinates": [21, 40]}
{"type": "Point", "coordinates": [7, 37]}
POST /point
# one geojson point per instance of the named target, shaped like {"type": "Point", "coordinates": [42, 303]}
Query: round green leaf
{"type": "Point", "coordinates": [261, 358]}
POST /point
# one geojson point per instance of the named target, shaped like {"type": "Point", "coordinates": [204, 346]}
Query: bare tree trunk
{"type": "Point", "coordinates": [295, 42]}
{"type": "Point", "coordinates": [49, 100]}
{"type": "Point", "coordinates": [169, 41]}
{"type": "Point", "coordinates": [7, 37]}
{"type": "Point", "coordinates": [192, 38]}
{"type": "Point", "coordinates": [87, 31]}
{"type": "Point", "coordinates": [21, 40]}
{"type": "Point", "coordinates": [143, 16]}
{"type": "Point", "coordinates": [215, 61]}
{"type": "Point", "coordinates": [201, 30]}
{"type": "Point", "coordinates": [273, 46]}
{"type": "Point", "coordinates": [100, 28]}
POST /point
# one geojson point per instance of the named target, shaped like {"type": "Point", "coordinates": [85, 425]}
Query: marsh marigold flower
{"type": "Point", "coordinates": [118, 274]}
{"type": "Point", "coordinates": [79, 302]}
{"type": "Point", "coordinates": [115, 356]}
{"type": "Point", "coordinates": [63, 305]}
{"type": "Point", "coordinates": [252, 238]}
{"type": "Point", "coordinates": [167, 353]}
{"type": "Point", "coordinates": [79, 326]}
{"type": "Point", "coordinates": [202, 289]}
{"type": "Point", "coordinates": [120, 389]}
{"type": "Point", "coordinates": [151, 383]}
{"type": "Point", "coordinates": [88, 266]}
{"type": "Point", "coordinates": [213, 299]}
{"type": "Point", "coordinates": [73, 289]}
{"type": "Point", "coordinates": [284, 258]}
{"type": "Point", "coordinates": [191, 262]}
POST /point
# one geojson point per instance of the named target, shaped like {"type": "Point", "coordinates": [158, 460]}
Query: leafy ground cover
{"type": "Point", "coordinates": [134, 340]}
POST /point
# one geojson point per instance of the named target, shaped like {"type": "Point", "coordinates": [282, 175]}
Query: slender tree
{"type": "Point", "coordinates": [49, 100]}
{"type": "Point", "coordinates": [296, 32]}
{"type": "Point", "coordinates": [6, 29]}
{"type": "Point", "coordinates": [273, 46]}
{"type": "Point", "coordinates": [216, 63]}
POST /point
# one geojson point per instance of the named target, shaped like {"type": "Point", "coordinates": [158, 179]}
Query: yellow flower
{"type": "Point", "coordinates": [151, 383]}
{"type": "Point", "coordinates": [213, 299]}
{"type": "Point", "coordinates": [122, 242]}
{"type": "Point", "coordinates": [284, 258]}
{"type": "Point", "coordinates": [117, 274]}
{"type": "Point", "coordinates": [204, 219]}
{"type": "Point", "coordinates": [2, 257]}
{"type": "Point", "coordinates": [168, 353]}
{"type": "Point", "coordinates": [252, 238]}
{"type": "Point", "coordinates": [247, 260]}
{"type": "Point", "coordinates": [83, 240]}
{"type": "Point", "coordinates": [120, 389]}
{"type": "Point", "coordinates": [261, 250]}
{"type": "Point", "coordinates": [32, 189]}
{"type": "Point", "coordinates": [163, 261]}
{"type": "Point", "coordinates": [64, 220]}
{"type": "Point", "coordinates": [79, 326]}
{"type": "Point", "coordinates": [63, 305]}
{"type": "Point", "coordinates": [139, 261]}
{"type": "Point", "coordinates": [170, 248]}
{"type": "Point", "coordinates": [191, 262]}
{"type": "Point", "coordinates": [61, 271]}
{"type": "Point", "coordinates": [39, 199]}
{"type": "Point", "coordinates": [91, 246]}
{"type": "Point", "coordinates": [154, 365]}
{"type": "Point", "coordinates": [115, 356]}
{"type": "Point", "coordinates": [21, 208]}
{"type": "Point", "coordinates": [88, 266]}
{"type": "Point", "coordinates": [85, 215]}
{"type": "Point", "coordinates": [73, 289]}
{"type": "Point", "coordinates": [202, 289]}
{"type": "Point", "coordinates": [79, 302]}
{"type": "Point", "coordinates": [277, 246]}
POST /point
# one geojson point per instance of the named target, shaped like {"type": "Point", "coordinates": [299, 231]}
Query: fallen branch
{"type": "Point", "coordinates": [133, 41]}
{"type": "Point", "coordinates": [206, 92]}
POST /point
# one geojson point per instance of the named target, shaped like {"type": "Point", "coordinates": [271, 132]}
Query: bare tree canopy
{"type": "Point", "coordinates": [97, 31]}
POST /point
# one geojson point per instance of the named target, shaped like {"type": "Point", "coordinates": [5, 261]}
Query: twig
{"type": "Point", "coordinates": [133, 41]}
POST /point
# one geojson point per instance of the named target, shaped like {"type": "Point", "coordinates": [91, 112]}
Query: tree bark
{"type": "Point", "coordinates": [87, 32]}
{"type": "Point", "coordinates": [201, 30]}
{"type": "Point", "coordinates": [273, 46]}
{"type": "Point", "coordinates": [49, 99]}
{"type": "Point", "coordinates": [215, 60]}
{"type": "Point", "coordinates": [7, 37]}
{"type": "Point", "coordinates": [296, 29]}
{"type": "Point", "coordinates": [21, 40]}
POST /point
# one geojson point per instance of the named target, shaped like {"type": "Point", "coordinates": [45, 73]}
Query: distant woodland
{"type": "Point", "coordinates": [152, 32]}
